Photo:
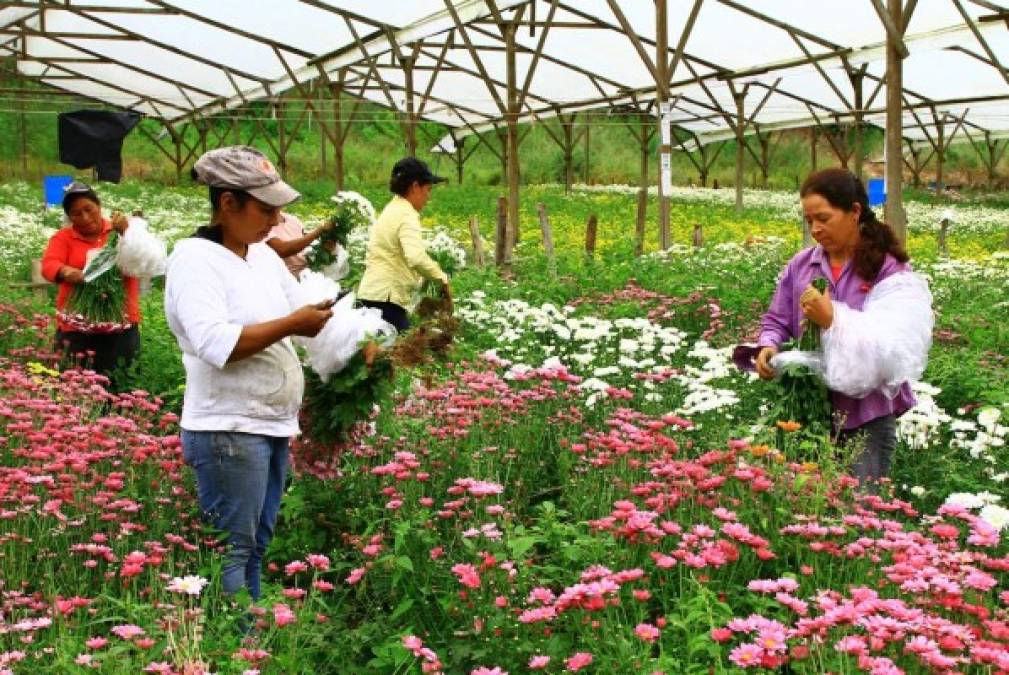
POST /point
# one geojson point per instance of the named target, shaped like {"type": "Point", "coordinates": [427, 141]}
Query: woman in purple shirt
{"type": "Point", "coordinates": [855, 253]}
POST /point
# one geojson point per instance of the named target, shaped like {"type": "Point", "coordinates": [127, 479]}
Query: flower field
{"type": "Point", "coordinates": [585, 484]}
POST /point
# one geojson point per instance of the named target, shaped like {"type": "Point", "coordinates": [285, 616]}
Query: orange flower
{"type": "Point", "coordinates": [788, 425]}
{"type": "Point", "coordinates": [759, 450]}
{"type": "Point", "coordinates": [809, 467]}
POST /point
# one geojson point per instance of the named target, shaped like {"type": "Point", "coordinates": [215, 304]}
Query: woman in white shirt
{"type": "Point", "coordinates": [233, 306]}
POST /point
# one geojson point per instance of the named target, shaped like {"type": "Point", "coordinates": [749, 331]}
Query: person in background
{"type": "Point", "coordinates": [233, 307]}
{"type": "Point", "coordinates": [63, 262]}
{"type": "Point", "coordinates": [397, 261]}
{"type": "Point", "coordinates": [854, 252]}
{"type": "Point", "coordinates": [289, 239]}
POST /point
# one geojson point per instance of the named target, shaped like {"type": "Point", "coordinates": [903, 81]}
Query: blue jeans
{"type": "Point", "coordinates": [879, 439]}
{"type": "Point", "coordinates": [240, 480]}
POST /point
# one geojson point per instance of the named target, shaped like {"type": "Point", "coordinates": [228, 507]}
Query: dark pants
{"type": "Point", "coordinates": [100, 352]}
{"type": "Point", "coordinates": [391, 312]}
{"type": "Point", "coordinates": [878, 438]}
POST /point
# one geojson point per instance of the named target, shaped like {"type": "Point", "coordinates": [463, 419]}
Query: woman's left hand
{"type": "Point", "coordinates": [817, 307]}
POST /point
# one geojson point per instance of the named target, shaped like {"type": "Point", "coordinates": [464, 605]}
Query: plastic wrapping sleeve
{"type": "Point", "coordinates": [811, 360]}
{"type": "Point", "coordinates": [340, 339]}
{"type": "Point", "coordinates": [884, 345]}
{"type": "Point", "coordinates": [339, 268]}
{"type": "Point", "coordinates": [316, 287]}
{"type": "Point", "coordinates": [141, 254]}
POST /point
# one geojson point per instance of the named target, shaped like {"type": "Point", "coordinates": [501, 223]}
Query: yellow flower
{"type": "Point", "coordinates": [36, 368]}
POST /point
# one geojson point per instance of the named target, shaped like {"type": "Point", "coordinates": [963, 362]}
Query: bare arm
{"type": "Point", "coordinates": [307, 321]}
{"type": "Point", "coordinates": [285, 248]}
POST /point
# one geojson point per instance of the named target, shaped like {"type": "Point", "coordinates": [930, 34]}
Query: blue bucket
{"type": "Point", "coordinates": [876, 187]}
{"type": "Point", "coordinates": [53, 186]}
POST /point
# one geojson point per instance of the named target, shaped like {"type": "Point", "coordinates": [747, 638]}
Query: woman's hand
{"type": "Point", "coordinates": [310, 319]}
{"type": "Point", "coordinates": [817, 307]}
{"type": "Point", "coordinates": [71, 275]}
{"type": "Point", "coordinates": [119, 222]}
{"type": "Point", "coordinates": [763, 363]}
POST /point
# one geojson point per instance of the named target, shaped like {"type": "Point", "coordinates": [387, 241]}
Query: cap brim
{"type": "Point", "coordinates": [277, 194]}
{"type": "Point", "coordinates": [438, 179]}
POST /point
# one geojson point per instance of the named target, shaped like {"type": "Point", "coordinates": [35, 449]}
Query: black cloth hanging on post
{"type": "Point", "coordinates": [95, 138]}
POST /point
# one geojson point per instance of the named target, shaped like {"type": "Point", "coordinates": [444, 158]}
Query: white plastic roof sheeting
{"type": "Point", "coordinates": [175, 59]}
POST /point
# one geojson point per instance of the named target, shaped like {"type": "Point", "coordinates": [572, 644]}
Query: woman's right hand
{"type": "Point", "coordinates": [763, 363]}
{"type": "Point", "coordinates": [71, 275]}
{"type": "Point", "coordinates": [309, 320]}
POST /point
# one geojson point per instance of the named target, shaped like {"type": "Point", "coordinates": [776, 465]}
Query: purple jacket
{"type": "Point", "coordinates": [782, 323]}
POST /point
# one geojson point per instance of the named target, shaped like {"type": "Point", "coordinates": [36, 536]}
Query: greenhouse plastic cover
{"type": "Point", "coordinates": [180, 59]}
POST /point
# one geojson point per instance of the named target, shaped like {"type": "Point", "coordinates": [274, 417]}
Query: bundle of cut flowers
{"type": "Point", "coordinates": [328, 253]}
{"type": "Point", "coordinates": [98, 305]}
{"type": "Point", "coordinates": [341, 385]}
{"type": "Point", "coordinates": [799, 394]}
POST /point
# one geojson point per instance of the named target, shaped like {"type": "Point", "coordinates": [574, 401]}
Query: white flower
{"type": "Point", "coordinates": [917, 491]}
{"type": "Point", "coordinates": [988, 417]}
{"type": "Point", "coordinates": [190, 585]}
{"type": "Point", "coordinates": [996, 516]}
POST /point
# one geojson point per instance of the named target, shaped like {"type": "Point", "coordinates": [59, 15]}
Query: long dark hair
{"type": "Point", "coordinates": [842, 190]}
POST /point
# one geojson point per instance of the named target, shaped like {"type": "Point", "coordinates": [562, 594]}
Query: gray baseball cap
{"type": "Point", "coordinates": [243, 168]}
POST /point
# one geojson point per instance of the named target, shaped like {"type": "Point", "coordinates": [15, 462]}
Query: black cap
{"type": "Point", "coordinates": [74, 190]}
{"type": "Point", "coordinates": [410, 169]}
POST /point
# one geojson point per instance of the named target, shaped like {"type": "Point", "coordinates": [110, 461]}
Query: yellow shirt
{"type": "Point", "coordinates": [397, 262]}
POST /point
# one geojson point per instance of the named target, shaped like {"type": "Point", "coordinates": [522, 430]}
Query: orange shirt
{"type": "Point", "coordinates": [67, 247]}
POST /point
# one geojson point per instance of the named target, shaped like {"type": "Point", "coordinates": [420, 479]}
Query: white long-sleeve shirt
{"type": "Point", "coordinates": [210, 295]}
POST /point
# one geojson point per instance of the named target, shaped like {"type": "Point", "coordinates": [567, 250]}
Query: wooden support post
{"type": "Point", "coordinates": [510, 30]}
{"type": "Point", "coordinates": [323, 150]}
{"type": "Point", "coordinates": [943, 230]}
{"type": "Point", "coordinates": [586, 173]}
{"type": "Point", "coordinates": [548, 236]}
{"type": "Point", "coordinates": [698, 235]}
{"type": "Point", "coordinates": [23, 131]}
{"type": "Point", "coordinates": [278, 111]}
{"type": "Point", "coordinates": [740, 98]}
{"type": "Point", "coordinates": [567, 128]}
{"type": "Point", "coordinates": [940, 150]}
{"type": "Point", "coordinates": [474, 233]}
{"type": "Point", "coordinates": [662, 89]}
{"type": "Point", "coordinates": [500, 234]}
{"type": "Point", "coordinates": [410, 121]}
{"type": "Point", "coordinates": [647, 131]}
{"type": "Point", "coordinates": [591, 227]}
{"type": "Point", "coordinates": [339, 129]}
{"type": "Point", "coordinates": [814, 134]}
{"type": "Point", "coordinates": [236, 136]}
{"type": "Point", "coordinates": [894, 209]}
{"type": "Point", "coordinates": [460, 159]}
{"type": "Point", "coordinates": [857, 78]}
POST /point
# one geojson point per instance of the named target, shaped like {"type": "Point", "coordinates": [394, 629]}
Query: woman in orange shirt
{"type": "Point", "coordinates": [98, 348]}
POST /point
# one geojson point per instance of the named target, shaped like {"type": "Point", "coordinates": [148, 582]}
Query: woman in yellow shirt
{"type": "Point", "coordinates": [397, 262]}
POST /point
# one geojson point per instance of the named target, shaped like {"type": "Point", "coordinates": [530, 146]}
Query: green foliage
{"type": "Point", "coordinates": [334, 407]}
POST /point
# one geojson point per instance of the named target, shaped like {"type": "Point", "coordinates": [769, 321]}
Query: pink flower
{"type": "Point", "coordinates": [127, 631]}
{"type": "Point", "coordinates": [539, 662]}
{"type": "Point", "coordinates": [356, 575]}
{"type": "Point", "coordinates": [467, 574]}
{"type": "Point", "coordinates": [413, 643]}
{"type": "Point", "coordinates": [282, 614]}
{"type": "Point", "coordinates": [646, 632]}
{"type": "Point", "coordinates": [322, 585]}
{"type": "Point", "coordinates": [746, 655]}
{"type": "Point", "coordinates": [96, 642]}
{"type": "Point", "coordinates": [578, 661]}
{"type": "Point", "coordinates": [293, 568]}
{"type": "Point", "coordinates": [488, 671]}
{"type": "Point", "coordinates": [318, 562]}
